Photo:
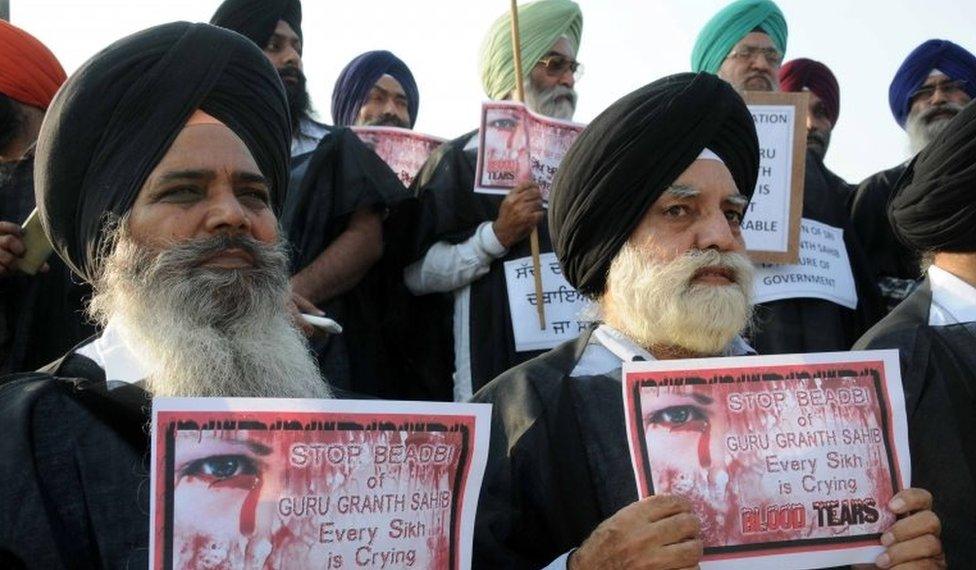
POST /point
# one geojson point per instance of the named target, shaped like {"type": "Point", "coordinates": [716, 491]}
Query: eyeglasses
{"type": "Point", "coordinates": [950, 88]}
{"type": "Point", "coordinates": [556, 65]}
{"type": "Point", "coordinates": [747, 53]}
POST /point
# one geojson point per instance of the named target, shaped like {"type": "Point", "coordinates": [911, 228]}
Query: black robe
{"type": "Point", "coordinates": [341, 176]}
{"type": "Point", "coordinates": [451, 211]}
{"type": "Point", "coordinates": [42, 315]}
{"type": "Point", "coordinates": [817, 325]}
{"type": "Point", "coordinates": [895, 265]}
{"type": "Point", "coordinates": [938, 366]}
{"type": "Point", "coordinates": [75, 491]}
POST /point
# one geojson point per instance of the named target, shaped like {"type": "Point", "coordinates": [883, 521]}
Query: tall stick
{"type": "Point", "coordinates": [520, 96]}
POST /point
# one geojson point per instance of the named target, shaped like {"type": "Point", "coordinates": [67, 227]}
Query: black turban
{"type": "Point", "coordinates": [257, 19]}
{"type": "Point", "coordinates": [625, 159]}
{"type": "Point", "coordinates": [934, 205]}
{"type": "Point", "coordinates": [116, 117]}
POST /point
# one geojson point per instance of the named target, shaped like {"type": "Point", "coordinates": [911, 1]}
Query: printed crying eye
{"type": "Point", "coordinates": [676, 416]}
{"type": "Point", "coordinates": [221, 467]}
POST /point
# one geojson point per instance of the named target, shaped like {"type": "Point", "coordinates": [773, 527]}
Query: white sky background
{"type": "Point", "coordinates": [626, 44]}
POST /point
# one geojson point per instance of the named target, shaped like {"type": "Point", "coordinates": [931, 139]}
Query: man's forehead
{"type": "Point", "coordinates": [755, 39]}
{"type": "Point", "coordinates": [563, 47]}
{"type": "Point", "coordinates": [284, 30]}
{"type": "Point", "coordinates": [936, 76]}
{"type": "Point", "coordinates": [389, 84]}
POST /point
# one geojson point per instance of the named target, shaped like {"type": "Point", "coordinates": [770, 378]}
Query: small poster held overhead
{"type": "Point", "coordinates": [404, 150]}
{"type": "Point", "coordinates": [275, 483]}
{"type": "Point", "coordinates": [771, 226]}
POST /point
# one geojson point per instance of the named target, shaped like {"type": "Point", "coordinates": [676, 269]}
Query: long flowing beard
{"type": "Point", "coordinates": [922, 129]}
{"type": "Point", "coordinates": [208, 331]}
{"type": "Point", "coordinates": [659, 305]}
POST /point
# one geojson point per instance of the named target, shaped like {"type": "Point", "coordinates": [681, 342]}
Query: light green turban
{"type": "Point", "coordinates": [733, 23]}
{"type": "Point", "coordinates": [541, 23]}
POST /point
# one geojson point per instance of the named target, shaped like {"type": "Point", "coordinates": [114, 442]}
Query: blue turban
{"type": "Point", "coordinates": [354, 83]}
{"type": "Point", "coordinates": [730, 25]}
{"type": "Point", "coordinates": [947, 57]}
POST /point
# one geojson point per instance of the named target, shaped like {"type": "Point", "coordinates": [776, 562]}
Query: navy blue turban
{"type": "Point", "coordinates": [947, 57]}
{"type": "Point", "coordinates": [353, 85]}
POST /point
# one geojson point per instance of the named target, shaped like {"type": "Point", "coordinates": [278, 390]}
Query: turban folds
{"type": "Point", "coordinates": [947, 57]}
{"type": "Point", "coordinates": [730, 25]}
{"type": "Point", "coordinates": [354, 83]}
{"type": "Point", "coordinates": [256, 19]}
{"type": "Point", "coordinates": [815, 76]}
{"type": "Point", "coordinates": [541, 23]}
{"type": "Point", "coordinates": [629, 155]}
{"type": "Point", "coordinates": [29, 72]}
{"type": "Point", "coordinates": [934, 206]}
{"type": "Point", "coordinates": [117, 116]}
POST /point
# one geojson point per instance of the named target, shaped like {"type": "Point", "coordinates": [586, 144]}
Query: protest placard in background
{"type": "Point", "coordinates": [266, 483]}
{"type": "Point", "coordinates": [789, 460]}
{"type": "Point", "coordinates": [515, 144]}
{"type": "Point", "coordinates": [404, 150]}
{"type": "Point", "coordinates": [772, 222]}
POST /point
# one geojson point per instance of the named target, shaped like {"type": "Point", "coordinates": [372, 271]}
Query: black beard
{"type": "Point", "coordinates": [387, 120]}
{"type": "Point", "coordinates": [299, 103]}
{"type": "Point", "coordinates": [11, 121]}
{"type": "Point", "coordinates": [817, 143]}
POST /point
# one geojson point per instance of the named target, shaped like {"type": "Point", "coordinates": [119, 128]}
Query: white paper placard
{"type": "Point", "coordinates": [564, 304]}
{"type": "Point", "coordinates": [767, 221]}
{"type": "Point", "coordinates": [824, 271]}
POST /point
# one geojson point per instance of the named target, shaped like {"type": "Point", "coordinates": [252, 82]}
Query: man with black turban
{"type": "Point", "coordinates": [341, 198]}
{"type": "Point", "coordinates": [41, 315]}
{"type": "Point", "coordinates": [933, 212]}
{"type": "Point", "coordinates": [645, 214]}
{"type": "Point", "coordinates": [375, 89]}
{"type": "Point", "coordinates": [160, 167]}
{"type": "Point", "coordinates": [744, 44]}
{"type": "Point", "coordinates": [933, 84]}
{"type": "Point", "coordinates": [463, 238]}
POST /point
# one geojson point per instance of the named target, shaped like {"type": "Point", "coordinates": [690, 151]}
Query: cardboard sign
{"type": "Point", "coordinates": [824, 271]}
{"type": "Point", "coordinates": [516, 144]}
{"type": "Point", "coordinates": [266, 483]}
{"type": "Point", "coordinates": [790, 460]}
{"type": "Point", "coordinates": [405, 151]}
{"type": "Point", "coordinates": [772, 222]}
{"type": "Point", "coordinates": [564, 304]}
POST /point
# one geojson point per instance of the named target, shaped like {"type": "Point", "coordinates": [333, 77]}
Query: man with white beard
{"type": "Point", "coordinates": [464, 238]}
{"type": "Point", "coordinates": [159, 171]}
{"type": "Point", "coordinates": [646, 215]}
{"type": "Point", "coordinates": [931, 87]}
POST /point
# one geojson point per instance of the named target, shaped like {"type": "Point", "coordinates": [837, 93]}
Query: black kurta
{"type": "Point", "coordinates": [341, 176]}
{"type": "Point", "coordinates": [895, 265]}
{"type": "Point", "coordinates": [817, 325]}
{"type": "Point", "coordinates": [75, 490]}
{"type": "Point", "coordinates": [938, 366]}
{"type": "Point", "coordinates": [451, 211]}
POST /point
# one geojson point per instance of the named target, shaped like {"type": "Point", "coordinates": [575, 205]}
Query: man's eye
{"type": "Point", "coordinates": [255, 194]}
{"type": "Point", "coordinates": [221, 467]}
{"type": "Point", "coordinates": [733, 216]}
{"type": "Point", "coordinates": [179, 194]}
{"type": "Point", "coordinates": [676, 211]}
{"type": "Point", "coordinates": [273, 46]}
{"type": "Point", "coordinates": [674, 416]}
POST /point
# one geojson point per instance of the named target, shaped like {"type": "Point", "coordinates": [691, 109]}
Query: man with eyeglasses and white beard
{"type": "Point", "coordinates": [933, 84]}
{"type": "Point", "coordinates": [463, 238]}
{"type": "Point", "coordinates": [159, 171]}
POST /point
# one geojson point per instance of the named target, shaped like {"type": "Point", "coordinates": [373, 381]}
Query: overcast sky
{"type": "Point", "coordinates": [626, 44]}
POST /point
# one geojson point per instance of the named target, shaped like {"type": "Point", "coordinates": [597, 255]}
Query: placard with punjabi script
{"type": "Point", "coordinates": [772, 222]}
{"type": "Point", "coordinates": [823, 272]}
{"type": "Point", "coordinates": [274, 483]}
{"type": "Point", "coordinates": [516, 144]}
{"type": "Point", "coordinates": [404, 150]}
{"type": "Point", "coordinates": [565, 306]}
{"type": "Point", "coordinates": [789, 461]}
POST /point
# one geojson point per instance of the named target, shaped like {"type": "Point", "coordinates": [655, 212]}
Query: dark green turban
{"type": "Point", "coordinates": [733, 23]}
{"type": "Point", "coordinates": [541, 23]}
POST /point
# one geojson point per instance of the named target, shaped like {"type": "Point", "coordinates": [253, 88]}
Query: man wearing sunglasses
{"type": "Point", "coordinates": [464, 238]}
{"type": "Point", "coordinates": [931, 87]}
{"type": "Point", "coordinates": [744, 44]}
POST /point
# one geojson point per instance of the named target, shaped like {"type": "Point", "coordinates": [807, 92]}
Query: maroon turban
{"type": "Point", "coordinates": [815, 76]}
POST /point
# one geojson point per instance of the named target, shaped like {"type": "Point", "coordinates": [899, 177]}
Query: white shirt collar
{"type": "Point", "coordinates": [953, 300]}
{"type": "Point", "coordinates": [115, 353]}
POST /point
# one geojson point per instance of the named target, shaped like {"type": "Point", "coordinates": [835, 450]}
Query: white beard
{"type": "Point", "coordinates": [921, 132]}
{"type": "Point", "coordinates": [545, 102]}
{"type": "Point", "coordinates": [208, 331]}
{"type": "Point", "coordinates": [657, 304]}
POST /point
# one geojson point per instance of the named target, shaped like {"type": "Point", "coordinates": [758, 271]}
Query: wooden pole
{"type": "Point", "coordinates": [534, 237]}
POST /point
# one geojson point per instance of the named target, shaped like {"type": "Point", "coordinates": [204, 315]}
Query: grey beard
{"type": "Point", "coordinates": [558, 102]}
{"type": "Point", "coordinates": [208, 331]}
{"type": "Point", "coordinates": [921, 131]}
